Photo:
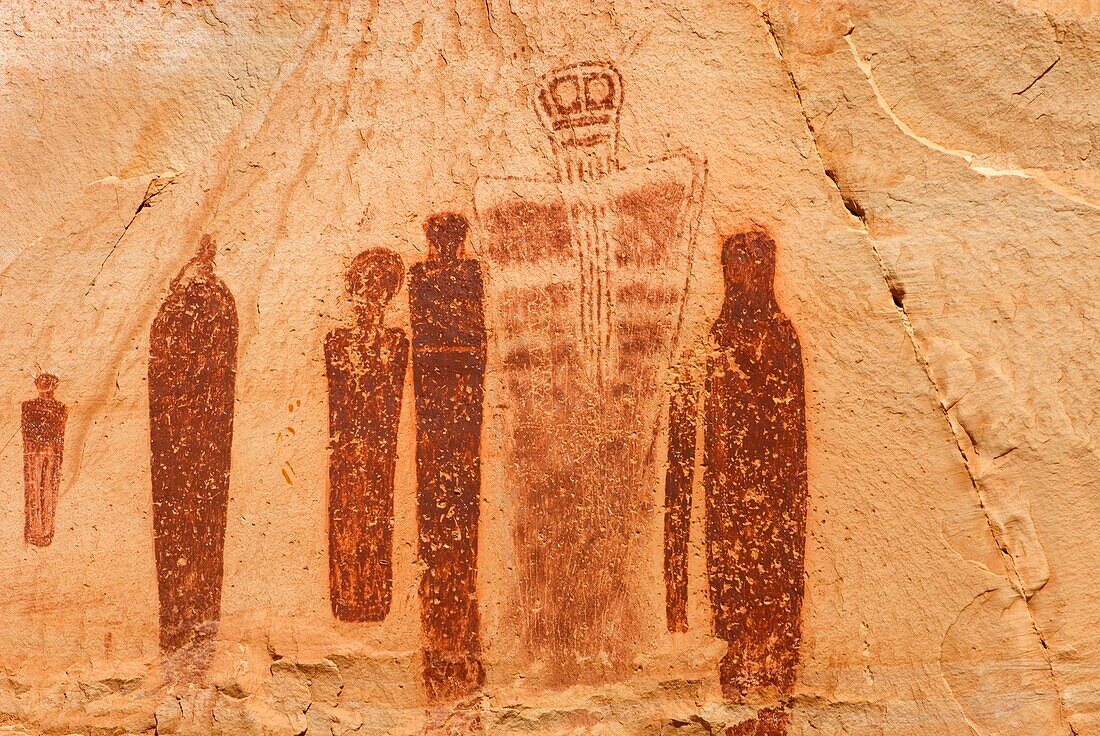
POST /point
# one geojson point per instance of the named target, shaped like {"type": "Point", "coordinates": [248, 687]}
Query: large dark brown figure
{"type": "Point", "coordinates": [43, 442]}
{"type": "Point", "coordinates": [755, 484]}
{"type": "Point", "coordinates": [448, 338]}
{"type": "Point", "coordinates": [366, 373]}
{"type": "Point", "coordinates": [192, 374]}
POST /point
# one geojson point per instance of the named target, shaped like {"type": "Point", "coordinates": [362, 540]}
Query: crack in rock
{"type": "Point", "coordinates": [898, 292]}
{"type": "Point", "coordinates": [973, 160]}
{"type": "Point", "coordinates": [156, 186]}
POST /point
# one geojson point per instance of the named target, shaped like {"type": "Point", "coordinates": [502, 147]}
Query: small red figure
{"type": "Point", "coordinates": [43, 442]}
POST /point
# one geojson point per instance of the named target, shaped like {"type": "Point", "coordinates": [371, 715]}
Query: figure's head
{"type": "Point", "coordinates": [375, 276]}
{"type": "Point", "coordinates": [446, 234]}
{"type": "Point", "coordinates": [46, 383]}
{"type": "Point", "coordinates": [204, 261]}
{"type": "Point", "coordinates": [580, 105]}
{"type": "Point", "coordinates": [207, 247]}
{"type": "Point", "coordinates": [748, 262]}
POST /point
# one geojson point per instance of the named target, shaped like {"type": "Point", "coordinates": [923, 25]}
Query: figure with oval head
{"type": "Point", "coordinates": [755, 484]}
{"type": "Point", "coordinates": [366, 365]}
{"type": "Point", "coordinates": [43, 425]}
{"type": "Point", "coordinates": [192, 378]}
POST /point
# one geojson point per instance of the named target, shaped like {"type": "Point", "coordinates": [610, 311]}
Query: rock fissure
{"type": "Point", "coordinates": [972, 160]}
{"type": "Point", "coordinates": [1038, 78]}
{"type": "Point", "coordinates": [156, 187]}
{"type": "Point", "coordinates": [1016, 579]}
{"type": "Point", "coordinates": [897, 292]}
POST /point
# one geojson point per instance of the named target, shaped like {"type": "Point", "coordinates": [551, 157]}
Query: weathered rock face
{"type": "Point", "coordinates": [95, 89]}
{"type": "Point", "coordinates": [515, 368]}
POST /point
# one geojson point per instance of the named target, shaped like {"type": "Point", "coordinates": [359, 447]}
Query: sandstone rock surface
{"type": "Point", "coordinates": [927, 174]}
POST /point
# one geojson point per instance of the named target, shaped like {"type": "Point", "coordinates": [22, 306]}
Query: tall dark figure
{"type": "Point", "coordinates": [755, 485]}
{"type": "Point", "coordinates": [43, 425]}
{"type": "Point", "coordinates": [192, 375]}
{"type": "Point", "coordinates": [448, 338]}
{"type": "Point", "coordinates": [366, 373]}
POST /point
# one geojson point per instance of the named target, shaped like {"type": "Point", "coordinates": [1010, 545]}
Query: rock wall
{"type": "Point", "coordinates": [517, 367]}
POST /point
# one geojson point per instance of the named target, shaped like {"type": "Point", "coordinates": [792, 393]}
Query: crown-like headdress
{"type": "Point", "coordinates": [579, 104]}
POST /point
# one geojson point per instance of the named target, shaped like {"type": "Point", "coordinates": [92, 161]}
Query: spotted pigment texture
{"type": "Point", "coordinates": [366, 365]}
{"type": "Point", "coordinates": [449, 352]}
{"type": "Point", "coordinates": [43, 428]}
{"type": "Point", "coordinates": [755, 484]}
{"type": "Point", "coordinates": [192, 372]}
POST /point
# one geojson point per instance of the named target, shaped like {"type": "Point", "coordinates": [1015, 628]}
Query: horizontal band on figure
{"type": "Point", "coordinates": [585, 141]}
{"type": "Point", "coordinates": [448, 348]}
{"type": "Point", "coordinates": [579, 122]}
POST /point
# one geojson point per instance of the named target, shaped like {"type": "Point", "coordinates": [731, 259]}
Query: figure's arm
{"type": "Point", "coordinates": [62, 418]}
{"type": "Point", "coordinates": [399, 366]}
{"type": "Point", "coordinates": [332, 386]}
{"type": "Point", "coordinates": [683, 412]}
{"type": "Point", "coordinates": [792, 420]}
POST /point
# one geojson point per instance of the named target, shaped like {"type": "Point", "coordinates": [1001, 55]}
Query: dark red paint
{"type": "Point", "coordinates": [768, 722]}
{"type": "Point", "coordinates": [678, 480]}
{"type": "Point", "coordinates": [366, 374]}
{"type": "Point", "coordinates": [755, 483]}
{"type": "Point", "coordinates": [192, 373]}
{"type": "Point", "coordinates": [448, 345]}
{"type": "Point", "coordinates": [43, 425]}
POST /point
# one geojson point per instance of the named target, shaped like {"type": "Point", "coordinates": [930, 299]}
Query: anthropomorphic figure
{"type": "Point", "coordinates": [448, 356]}
{"type": "Point", "coordinates": [588, 273]}
{"type": "Point", "coordinates": [366, 366]}
{"type": "Point", "coordinates": [43, 425]}
{"type": "Point", "coordinates": [755, 485]}
{"type": "Point", "coordinates": [192, 378]}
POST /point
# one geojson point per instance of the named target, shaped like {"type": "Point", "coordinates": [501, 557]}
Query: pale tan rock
{"type": "Point", "coordinates": [93, 89]}
{"type": "Point", "coordinates": [944, 331]}
{"type": "Point", "coordinates": [976, 227]}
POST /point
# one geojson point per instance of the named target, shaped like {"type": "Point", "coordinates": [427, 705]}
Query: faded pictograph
{"type": "Point", "coordinates": [753, 406]}
{"type": "Point", "coordinates": [365, 364]}
{"type": "Point", "coordinates": [587, 276]}
{"type": "Point", "coordinates": [192, 379]}
{"type": "Point", "coordinates": [448, 356]}
{"type": "Point", "coordinates": [43, 427]}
